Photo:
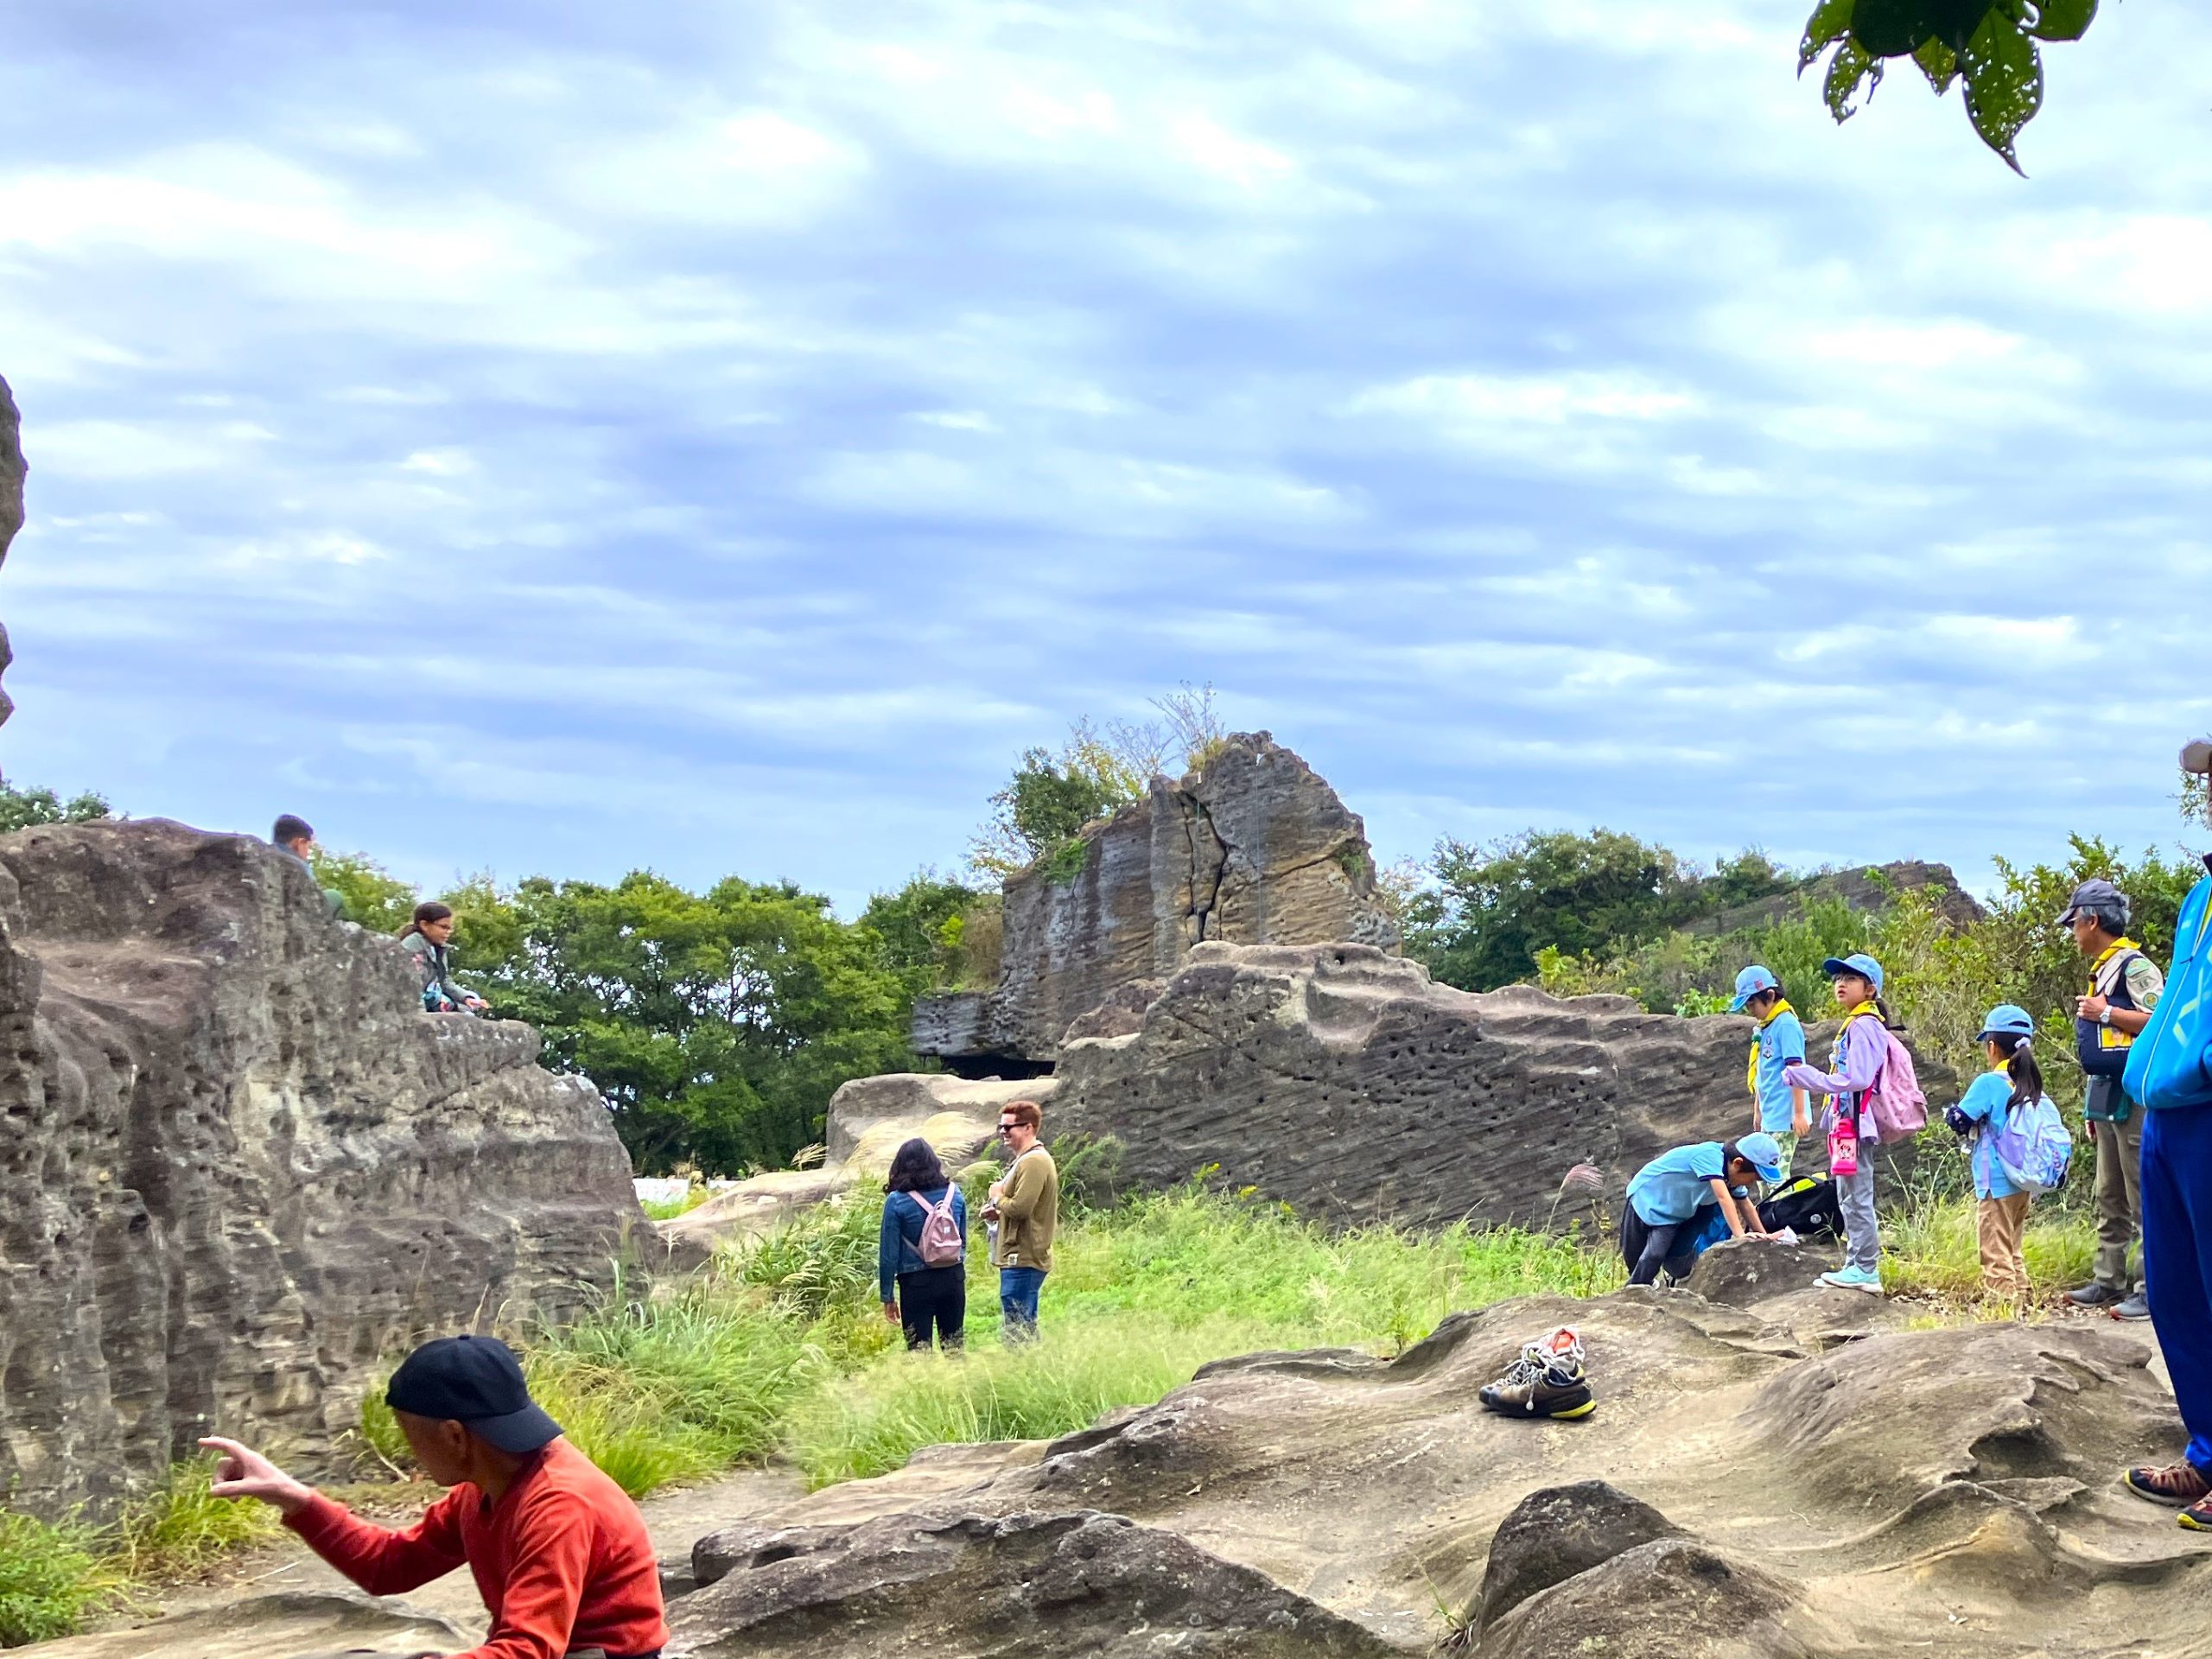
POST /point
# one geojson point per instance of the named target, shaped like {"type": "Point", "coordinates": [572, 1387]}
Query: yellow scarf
{"type": "Point", "coordinates": [1752, 1071]}
{"type": "Point", "coordinates": [2110, 951]}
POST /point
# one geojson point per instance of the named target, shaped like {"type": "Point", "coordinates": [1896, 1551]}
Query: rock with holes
{"type": "Point", "coordinates": [11, 508]}
{"type": "Point", "coordinates": [242, 1167]}
{"type": "Point", "coordinates": [1347, 1081]}
{"type": "Point", "coordinates": [1251, 847]}
{"type": "Point", "coordinates": [955, 1585]}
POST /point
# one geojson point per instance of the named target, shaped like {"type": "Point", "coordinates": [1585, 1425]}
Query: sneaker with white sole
{"type": "Point", "coordinates": [1547, 1381]}
{"type": "Point", "coordinates": [1865, 1279]}
{"type": "Point", "coordinates": [2134, 1308]}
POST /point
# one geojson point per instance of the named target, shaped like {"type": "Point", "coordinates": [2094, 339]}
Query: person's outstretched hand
{"type": "Point", "coordinates": [244, 1472]}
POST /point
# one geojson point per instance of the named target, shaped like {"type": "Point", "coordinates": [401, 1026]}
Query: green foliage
{"type": "Point", "coordinates": [1047, 802]}
{"type": "Point", "coordinates": [181, 1529]}
{"type": "Point", "coordinates": [367, 892]}
{"type": "Point", "coordinates": [1989, 44]}
{"type": "Point", "coordinates": [20, 809]}
{"type": "Point", "coordinates": [1067, 862]}
{"type": "Point", "coordinates": [1492, 908]}
{"type": "Point", "coordinates": [922, 930]}
{"type": "Point", "coordinates": [1932, 1248]}
{"type": "Point", "coordinates": [52, 1577]}
{"type": "Point", "coordinates": [715, 1025]}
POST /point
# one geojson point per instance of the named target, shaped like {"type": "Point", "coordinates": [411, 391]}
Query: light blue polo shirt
{"type": "Point", "coordinates": [1671, 1188]}
{"type": "Point", "coordinates": [1988, 1102]}
{"type": "Point", "coordinates": [1782, 1040]}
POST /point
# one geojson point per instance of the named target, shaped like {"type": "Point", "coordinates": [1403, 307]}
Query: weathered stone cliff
{"type": "Point", "coordinates": [241, 1167]}
{"type": "Point", "coordinates": [12, 511]}
{"type": "Point", "coordinates": [1351, 1084]}
{"type": "Point", "coordinates": [1254, 848]}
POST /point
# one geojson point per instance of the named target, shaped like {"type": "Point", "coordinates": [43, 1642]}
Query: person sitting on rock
{"type": "Point", "coordinates": [2170, 1073]}
{"type": "Point", "coordinates": [428, 939]}
{"type": "Point", "coordinates": [294, 838]}
{"type": "Point", "coordinates": [1664, 1224]}
{"type": "Point", "coordinates": [921, 1258]}
{"type": "Point", "coordinates": [1777, 1108]}
{"type": "Point", "coordinates": [558, 1550]}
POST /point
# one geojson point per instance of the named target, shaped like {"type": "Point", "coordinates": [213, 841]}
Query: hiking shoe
{"type": "Point", "coordinates": [2178, 1484]}
{"type": "Point", "coordinates": [2095, 1293]}
{"type": "Point", "coordinates": [1865, 1279]}
{"type": "Point", "coordinates": [2197, 1517]}
{"type": "Point", "coordinates": [1547, 1381]}
{"type": "Point", "coordinates": [2135, 1308]}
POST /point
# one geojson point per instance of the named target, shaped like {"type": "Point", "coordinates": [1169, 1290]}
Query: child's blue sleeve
{"type": "Point", "coordinates": [1986, 1098]}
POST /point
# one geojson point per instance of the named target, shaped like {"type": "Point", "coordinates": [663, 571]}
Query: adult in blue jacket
{"type": "Point", "coordinates": [927, 1298]}
{"type": "Point", "coordinates": [2169, 1071]}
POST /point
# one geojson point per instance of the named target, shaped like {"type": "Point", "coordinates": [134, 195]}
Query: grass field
{"type": "Point", "coordinates": [782, 1349]}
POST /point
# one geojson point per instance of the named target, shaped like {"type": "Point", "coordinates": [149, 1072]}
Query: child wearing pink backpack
{"type": "Point", "coordinates": [1852, 1082]}
{"type": "Point", "coordinates": [921, 1258]}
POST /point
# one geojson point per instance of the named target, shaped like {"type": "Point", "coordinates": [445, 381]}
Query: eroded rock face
{"type": "Point", "coordinates": [11, 509]}
{"type": "Point", "coordinates": [1350, 1083]}
{"type": "Point", "coordinates": [1254, 849]}
{"type": "Point", "coordinates": [242, 1168]}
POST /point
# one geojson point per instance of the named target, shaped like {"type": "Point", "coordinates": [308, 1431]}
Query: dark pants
{"type": "Point", "coordinates": [936, 1299]}
{"type": "Point", "coordinates": [1018, 1291]}
{"type": "Point", "coordinates": [2177, 1260]}
{"type": "Point", "coordinates": [1647, 1249]}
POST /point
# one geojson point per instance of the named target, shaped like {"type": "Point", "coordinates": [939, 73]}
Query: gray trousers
{"type": "Point", "coordinates": [1862, 1234]}
{"type": "Point", "coordinates": [2119, 1199]}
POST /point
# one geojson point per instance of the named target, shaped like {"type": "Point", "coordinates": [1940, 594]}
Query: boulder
{"type": "Point", "coordinates": [1556, 1533]}
{"type": "Point", "coordinates": [1861, 887]}
{"type": "Point", "coordinates": [11, 509]}
{"type": "Point", "coordinates": [242, 1169]}
{"type": "Point", "coordinates": [1347, 1082]}
{"type": "Point", "coordinates": [283, 1627]}
{"type": "Point", "coordinates": [1252, 848]}
{"type": "Point", "coordinates": [869, 1118]}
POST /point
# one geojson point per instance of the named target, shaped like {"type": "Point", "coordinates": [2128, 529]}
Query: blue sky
{"type": "Point", "coordinates": [721, 438]}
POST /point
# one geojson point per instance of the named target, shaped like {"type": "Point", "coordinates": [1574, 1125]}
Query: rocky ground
{"type": "Point", "coordinates": [1771, 1471]}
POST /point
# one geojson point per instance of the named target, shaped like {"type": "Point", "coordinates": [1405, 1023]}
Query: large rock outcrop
{"type": "Point", "coordinates": [242, 1168]}
{"type": "Point", "coordinates": [1253, 848]}
{"type": "Point", "coordinates": [12, 511]}
{"type": "Point", "coordinates": [1351, 1084]}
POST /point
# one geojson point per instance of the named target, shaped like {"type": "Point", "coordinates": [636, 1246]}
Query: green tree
{"type": "Point", "coordinates": [921, 930]}
{"type": "Point", "coordinates": [21, 808]}
{"type": "Point", "coordinates": [1046, 802]}
{"type": "Point", "coordinates": [367, 892]}
{"type": "Point", "coordinates": [1991, 47]}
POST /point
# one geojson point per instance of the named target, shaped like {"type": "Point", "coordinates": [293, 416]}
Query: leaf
{"type": "Point", "coordinates": [1939, 63]}
{"type": "Point", "coordinates": [1954, 22]}
{"type": "Point", "coordinates": [2004, 76]}
{"type": "Point", "coordinates": [2063, 20]}
{"type": "Point", "coordinates": [1830, 21]}
{"type": "Point", "coordinates": [1849, 67]}
{"type": "Point", "coordinates": [1890, 28]}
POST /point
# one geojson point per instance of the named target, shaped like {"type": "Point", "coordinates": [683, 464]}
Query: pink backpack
{"type": "Point", "coordinates": [942, 1245]}
{"type": "Point", "coordinates": [1898, 1108]}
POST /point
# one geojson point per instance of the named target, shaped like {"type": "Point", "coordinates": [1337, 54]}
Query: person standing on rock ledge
{"type": "Point", "coordinates": [558, 1550]}
{"type": "Point", "coordinates": [1023, 1212]}
{"type": "Point", "coordinates": [2169, 1071]}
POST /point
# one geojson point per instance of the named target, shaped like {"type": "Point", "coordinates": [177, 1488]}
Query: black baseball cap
{"type": "Point", "coordinates": [477, 1382]}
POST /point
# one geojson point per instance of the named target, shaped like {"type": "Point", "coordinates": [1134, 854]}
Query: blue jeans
{"type": "Point", "coordinates": [2177, 1260]}
{"type": "Point", "coordinates": [1018, 1291]}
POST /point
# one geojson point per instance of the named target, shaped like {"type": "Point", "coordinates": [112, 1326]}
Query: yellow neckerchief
{"type": "Point", "coordinates": [1752, 1071]}
{"type": "Point", "coordinates": [2110, 951]}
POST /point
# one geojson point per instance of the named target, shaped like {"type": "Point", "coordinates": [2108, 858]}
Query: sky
{"type": "Point", "coordinates": [565, 438]}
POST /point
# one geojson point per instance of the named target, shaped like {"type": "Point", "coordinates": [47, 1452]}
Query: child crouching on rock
{"type": "Point", "coordinates": [558, 1550]}
{"type": "Point", "coordinates": [1683, 1200]}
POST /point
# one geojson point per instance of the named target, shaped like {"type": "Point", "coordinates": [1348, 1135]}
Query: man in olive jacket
{"type": "Point", "coordinates": [1023, 1212]}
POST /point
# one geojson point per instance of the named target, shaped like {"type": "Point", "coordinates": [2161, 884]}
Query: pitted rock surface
{"type": "Point", "coordinates": [1254, 848]}
{"type": "Point", "coordinates": [1350, 1083]}
{"type": "Point", "coordinates": [242, 1168]}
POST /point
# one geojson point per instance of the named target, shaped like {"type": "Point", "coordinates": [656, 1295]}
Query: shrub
{"type": "Point", "coordinates": [182, 1528]}
{"type": "Point", "coordinates": [51, 1579]}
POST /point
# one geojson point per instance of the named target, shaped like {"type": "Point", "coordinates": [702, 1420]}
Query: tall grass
{"type": "Point", "coordinates": [1932, 1248]}
{"type": "Point", "coordinates": [51, 1579]}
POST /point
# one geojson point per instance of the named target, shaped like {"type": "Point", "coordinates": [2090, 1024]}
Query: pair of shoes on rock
{"type": "Point", "coordinates": [1866, 1279]}
{"type": "Point", "coordinates": [1548, 1380]}
{"type": "Point", "coordinates": [2182, 1484]}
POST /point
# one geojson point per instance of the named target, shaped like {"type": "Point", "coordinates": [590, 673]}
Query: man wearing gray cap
{"type": "Point", "coordinates": [2124, 987]}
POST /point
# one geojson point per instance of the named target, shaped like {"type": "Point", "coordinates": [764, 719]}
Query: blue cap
{"type": "Point", "coordinates": [1859, 962]}
{"type": "Point", "coordinates": [1764, 1152]}
{"type": "Point", "coordinates": [2008, 1019]}
{"type": "Point", "coordinates": [1750, 983]}
{"type": "Point", "coordinates": [477, 1382]}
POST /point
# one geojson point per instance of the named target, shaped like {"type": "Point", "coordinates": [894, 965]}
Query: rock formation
{"type": "Point", "coordinates": [1862, 887]}
{"type": "Point", "coordinates": [1352, 1085]}
{"type": "Point", "coordinates": [1254, 848]}
{"type": "Point", "coordinates": [242, 1167]}
{"type": "Point", "coordinates": [12, 511]}
{"type": "Point", "coordinates": [869, 1118]}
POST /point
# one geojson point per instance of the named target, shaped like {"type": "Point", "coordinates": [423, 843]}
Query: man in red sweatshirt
{"type": "Point", "coordinates": [559, 1551]}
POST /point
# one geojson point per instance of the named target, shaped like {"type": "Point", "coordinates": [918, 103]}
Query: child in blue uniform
{"type": "Point", "coordinates": [1664, 1224]}
{"type": "Point", "coordinates": [1777, 1108]}
{"type": "Point", "coordinates": [2014, 1080]}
